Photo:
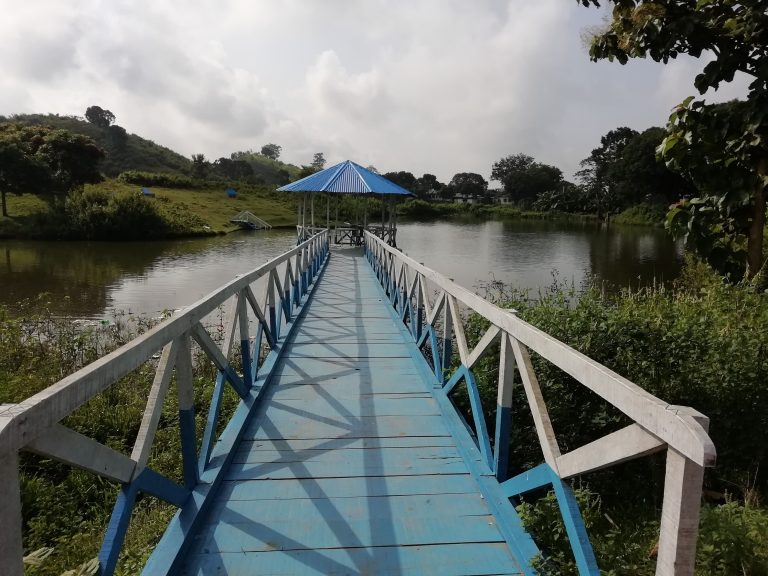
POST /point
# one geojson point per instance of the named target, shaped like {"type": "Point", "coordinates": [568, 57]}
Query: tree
{"type": "Point", "coordinates": [306, 171]}
{"type": "Point", "coordinates": [598, 174]}
{"type": "Point", "coordinates": [372, 168]}
{"type": "Point", "coordinates": [523, 178]}
{"type": "Point", "coordinates": [403, 179]}
{"type": "Point", "coordinates": [425, 184]}
{"type": "Point", "coordinates": [118, 136]}
{"type": "Point", "coordinates": [271, 151]}
{"type": "Point", "coordinates": [722, 149]}
{"type": "Point", "coordinates": [318, 161]}
{"type": "Point", "coordinates": [467, 184]}
{"type": "Point", "coordinates": [641, 176]}
{"type": "Point", "coordinates": [99, 116]}
{"type": "Point", "coordinates": [36, 159]}
{"type": "Point", "coordinates": [200, 166]}
{"type": "Point", "coordinates": [232, 169]}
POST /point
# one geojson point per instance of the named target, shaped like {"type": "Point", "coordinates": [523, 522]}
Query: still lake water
{"type": "Point", "coordinates": [91, 280]}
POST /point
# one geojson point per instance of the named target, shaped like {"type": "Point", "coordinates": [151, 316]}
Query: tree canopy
{"type": "Point", "coordinates": [37, 159]}
{"type": "Point", "coordinates": [523, 178]}
{"type": "Point", "coordinates": [271, 151]}
{"type": "Point", "coordinates": [318, 161]}
{"type": "Point", "coordinates": [467, 184]}
{"type": "Point", "coordinates": [723, 149]}
{"type": "Point", "coordinates": [99, 116]}
{"type": "Point", "coordinates": [402, 178]}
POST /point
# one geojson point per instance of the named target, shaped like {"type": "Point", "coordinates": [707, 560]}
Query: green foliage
{"type": "Point", "coordinates": [156, 179]}
{"type": "Point", "coordinates": [99, 116]}
{"type": "Point", "coordinates": [722, 148]}
{"type": "Point", "coordinates": [619, 549]}
{"type": "Point", "coordinates": [271, 151]}
{"type": "Point", "coordinates": [701, 344]}
{"type": "Point", "coordinates": [641, 215]}
{"type": "Point", "coordinates": [318, 161]}
{"type": "Point", "coordinates": [97, 215]}
{"type": "Point", "coordinates": [523, 178]}
{"type": "Point", "coordinates": [404, 179]}
{"type": "Point", "coordinates": [733, 538]}
{"type": "Point", "coordinates": [40, 160]}
{"type": "Point", "coordinates": [466, 184]}
{"type": "Point", "coordinates": [123, 151]}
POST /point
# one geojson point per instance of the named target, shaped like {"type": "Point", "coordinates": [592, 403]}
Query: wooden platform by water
{"type": "Point", "coordinates": [349, 467]}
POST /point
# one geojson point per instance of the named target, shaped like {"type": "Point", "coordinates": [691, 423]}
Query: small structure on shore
{"type": "Point", "coordinates": [250, 221]}
{"type": "Point", "coordinates": [352, 186]}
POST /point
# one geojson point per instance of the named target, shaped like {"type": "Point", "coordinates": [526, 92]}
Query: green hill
{"type": "Point", "coordinates": [131, 152]}
{"type": "Point", "coordinates": [123, 151]}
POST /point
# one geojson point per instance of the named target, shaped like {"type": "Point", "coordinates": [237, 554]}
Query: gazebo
{"type": "Point", "coordinates": [347, 178]}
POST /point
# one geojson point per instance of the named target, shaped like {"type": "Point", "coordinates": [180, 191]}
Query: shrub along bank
{"type": "Point", "coordinates": [115, 210]}
{"type": "Point", "coordinates": [703, 344]}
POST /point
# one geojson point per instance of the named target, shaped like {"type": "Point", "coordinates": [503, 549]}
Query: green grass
{"type": "Point", "coordinates": [187, 212]}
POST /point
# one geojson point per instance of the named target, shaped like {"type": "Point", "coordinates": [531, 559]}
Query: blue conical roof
{"type": "Point", "coordinates": [346, 178]}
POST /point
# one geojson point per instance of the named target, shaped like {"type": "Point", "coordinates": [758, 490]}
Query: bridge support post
{"type": "Point", "coordinates": [679, 516]}
{"type": "Point", "coordinates": [11, 550]}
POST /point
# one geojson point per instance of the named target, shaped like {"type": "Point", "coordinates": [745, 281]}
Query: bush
{"type": "Point", "coordinates": [156, 179]}
{"type": "Point", "coordinates": [97, 215]}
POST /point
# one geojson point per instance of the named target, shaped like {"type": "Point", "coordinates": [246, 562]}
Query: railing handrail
{"type": "Point", "coordinates": [23, 421]}
{"type": "Point", "coordinates": [680, 431]}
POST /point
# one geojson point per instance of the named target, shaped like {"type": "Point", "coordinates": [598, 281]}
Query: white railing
{"type": "Point", "coordinates": [33, 424]}
{"type": "Point", "coordinates": [657, 426]}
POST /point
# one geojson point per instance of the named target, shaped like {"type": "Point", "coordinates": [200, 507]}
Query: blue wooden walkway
{"type": "Point", "coordinates": [348, 466]}
{"type": "Point", "coordinates": [346, 453]}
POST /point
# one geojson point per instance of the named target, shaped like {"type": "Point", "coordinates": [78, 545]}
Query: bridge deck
{"type": "Point", "coordinates": [348, 466]}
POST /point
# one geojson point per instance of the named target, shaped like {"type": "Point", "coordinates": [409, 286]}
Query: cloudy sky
{"type": "Point", "coordinates": [439, 86]}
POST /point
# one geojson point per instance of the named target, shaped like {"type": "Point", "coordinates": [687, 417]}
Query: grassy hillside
{"type": "Point", "coordinates": [172, 212]}
{"type": "Point", "coordinates": [131, 152]}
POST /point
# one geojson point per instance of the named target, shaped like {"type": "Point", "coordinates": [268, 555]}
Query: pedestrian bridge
{"type": "Point", "coordinates": [346, 453]}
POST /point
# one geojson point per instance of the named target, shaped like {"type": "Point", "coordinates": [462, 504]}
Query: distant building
{"type": "Point", "coordinates": [465, 199]}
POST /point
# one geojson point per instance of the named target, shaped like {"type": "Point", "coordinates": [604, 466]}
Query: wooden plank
{"type": "Point", "coordinates": [319, 404]}
{"type": "Point", "coordinates": [458, 330]}
{"type": "Point", "coordinates": [11, 549]}
{"type": "Point", "coordinates": [544, 430]}
{"type": "Point", "coordinates": [77, 450]}
{"type": "Point", "coordinates": [278, 444]}
{"type": "Point", "coordinates": [337, 532]}
{"type": "Point", "coordinates": [354, 350]}
{"type": "Point", "coordinates": [142, 447]}
{"type": "Point", "coordinates": [488, 338]}
{"type": "Point", "coordinates": [625, 444]}
{"type": "Point", "coordinates": [679, 516]}
{"type": "Point", "coordinates": [292, 426]}
{"type": "Point", "coordinates": [504, 389]}
{"type": "Point", "coordinates": [439, 507]}
{"type": "Point", "coordinates": [270, 489]}
{"type": "Point", "coordinates": [475, 559]}
{"type": "Point", "coordinates": [378, 457]}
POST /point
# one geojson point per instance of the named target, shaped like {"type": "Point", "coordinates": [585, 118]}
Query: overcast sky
{"type": "Point", "coordinates": [438, 86]}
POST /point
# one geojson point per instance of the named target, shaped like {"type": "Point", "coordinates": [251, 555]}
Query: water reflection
{"type": "Point", "coordinates": [529, 254]}
{"type": "Point", "coordinates": [90, 279]}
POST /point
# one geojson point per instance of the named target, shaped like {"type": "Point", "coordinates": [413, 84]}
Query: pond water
{"type": "Point", "coordinates": [92, 280]}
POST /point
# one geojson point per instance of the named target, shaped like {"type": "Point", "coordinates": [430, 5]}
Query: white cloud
{"type": "Point", "coordinates": [438, 86]}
